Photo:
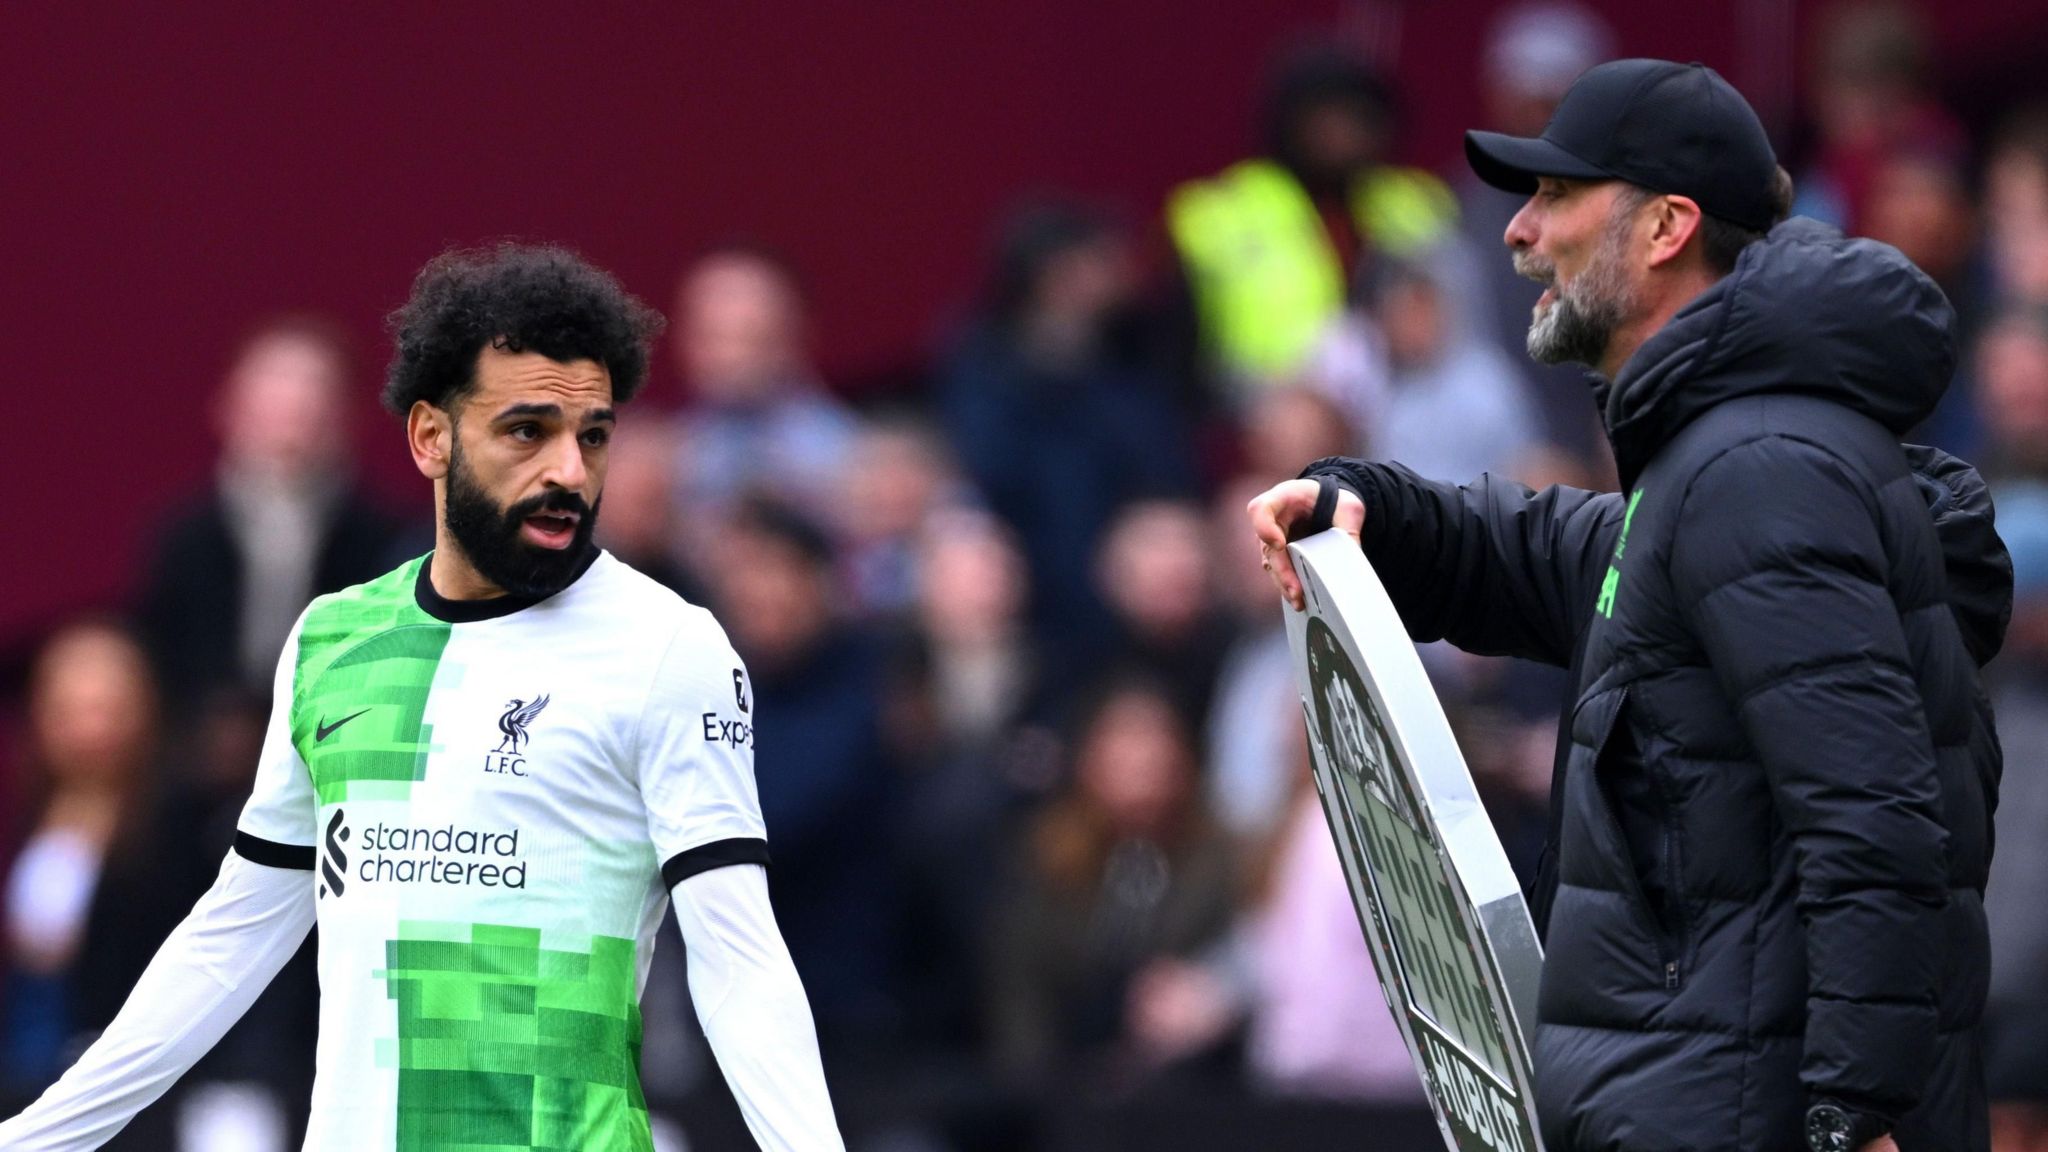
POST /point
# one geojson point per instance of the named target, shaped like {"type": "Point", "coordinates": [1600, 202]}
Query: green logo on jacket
{"type": "Point", "coordinates": [1605, 605]}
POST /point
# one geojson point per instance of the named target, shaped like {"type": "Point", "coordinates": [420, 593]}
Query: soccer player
{"type": "Point", "coordinates": [484, 775]}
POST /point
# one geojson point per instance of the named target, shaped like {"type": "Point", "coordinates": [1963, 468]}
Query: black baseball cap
{"type": "Point", "coordinates": [1679, 129]}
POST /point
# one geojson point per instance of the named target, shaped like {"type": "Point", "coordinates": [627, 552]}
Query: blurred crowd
{"type": "Point", "coordinates": [1047, 852]}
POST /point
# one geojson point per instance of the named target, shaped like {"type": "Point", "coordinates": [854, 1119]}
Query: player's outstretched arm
{"type": "Point", "coordinates": [203, 978]}
{"type": "Point", "coordinates": [753, 1009]}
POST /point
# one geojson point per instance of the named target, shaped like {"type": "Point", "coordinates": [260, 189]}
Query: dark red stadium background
{"type": "Point", "coordinates": [172, 174]}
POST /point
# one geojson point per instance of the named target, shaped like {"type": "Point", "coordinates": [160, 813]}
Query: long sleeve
{"type": "Point", "coordinates": [753, 1009]}
{"type": "Point", "coordinates": [203, 978]}
{"type": "Point", "coordinates": [1780, 569]}
{"type": "Point", "coordinates": [1491, 566]}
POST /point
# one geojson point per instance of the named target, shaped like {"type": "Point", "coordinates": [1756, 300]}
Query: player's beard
{"type": "Point", "coordinates": [1580, 321]}
{"type": "Point", "coordinates": [489, 535]}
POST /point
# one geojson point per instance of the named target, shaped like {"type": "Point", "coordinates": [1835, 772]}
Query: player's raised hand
{"type": "Point", "coordinates": [1275, 514]}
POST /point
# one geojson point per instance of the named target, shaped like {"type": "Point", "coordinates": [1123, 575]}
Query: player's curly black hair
{"type": "Point", "coordinates": [520, 297]}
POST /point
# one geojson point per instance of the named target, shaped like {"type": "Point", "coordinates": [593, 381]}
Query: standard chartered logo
{"type": "Point", "coordinates": [399, 854]}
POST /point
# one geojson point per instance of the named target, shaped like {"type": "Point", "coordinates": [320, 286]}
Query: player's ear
{"type": "Point", "coordinates": [430, 433]}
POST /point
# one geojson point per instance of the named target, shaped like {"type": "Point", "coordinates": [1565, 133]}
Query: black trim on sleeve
{"type": "Point", "coordinates": [717, 854]}
{"type": "Point", "coordinates": [271, 854]}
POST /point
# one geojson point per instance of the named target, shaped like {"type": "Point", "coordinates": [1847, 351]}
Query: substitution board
{"type": "Point", "coordinates": [1442, 911]}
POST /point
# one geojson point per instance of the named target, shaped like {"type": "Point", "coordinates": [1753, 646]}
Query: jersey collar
{"type": "Point", "coordinates": [471, 611]}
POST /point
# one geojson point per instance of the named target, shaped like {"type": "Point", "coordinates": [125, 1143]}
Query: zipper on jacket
{"type": "Point", "coordinates": [1639, 901]}
{"type": "Point", "coordinates": [1674, 868]}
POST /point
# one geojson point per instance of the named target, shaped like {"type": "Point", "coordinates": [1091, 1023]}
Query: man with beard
{"type": "Point", "coordinates": [1763, 901]}
{"type": "Point", "coordinates": [485, 774]}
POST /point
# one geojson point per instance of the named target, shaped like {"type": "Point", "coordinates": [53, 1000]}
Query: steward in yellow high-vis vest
{"type": "Point", "coordinates": [1262, 267]}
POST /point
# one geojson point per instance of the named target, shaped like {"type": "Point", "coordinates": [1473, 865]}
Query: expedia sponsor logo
{"type": "Point", "coordinates": [396, 854]}
{"type": "Point", "coordinates": [719, 730]}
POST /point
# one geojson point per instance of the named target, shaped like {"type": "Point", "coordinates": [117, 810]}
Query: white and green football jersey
{"type": "Point", "coordinates": [494, 798]}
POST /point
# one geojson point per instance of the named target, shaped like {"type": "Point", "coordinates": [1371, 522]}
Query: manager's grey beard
{"type": "Point", "coordinates": [1582, 320]}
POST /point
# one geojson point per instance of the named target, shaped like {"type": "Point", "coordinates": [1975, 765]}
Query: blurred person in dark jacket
{"type": "Point", "coordinates": [1921, 203]}
{"type": "Point", "coordinates": [973, 713]}
{"type": "Point", "coordinates": [758, 417]}
{"type": "Point", "coordinates": [822, 766]}
{"type": "Point", "coordinates": [283, 522]}
{"type": "Point", "coordinates": [899, 475]}
{"type": "Point", "coordinates": [1765, 919]}
{"type": "Point", "coordinates": [2013, 402]}
{"type": "Point", "coordinates": [641, 523]}
{"type": "Point", "coordinates": [1122, 871]}
{"type": "Point", "coordinates": [93, 889]}
{"type": "Point", "coordinates": [1154, 569]}
{"type": "Point", "coordinates": [1049, 410]}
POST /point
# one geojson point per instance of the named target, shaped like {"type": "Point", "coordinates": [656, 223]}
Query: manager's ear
{"type": "Point", "coordinates": [1674, 221]}
{"type": "Point", "coordinates": [430, 433]}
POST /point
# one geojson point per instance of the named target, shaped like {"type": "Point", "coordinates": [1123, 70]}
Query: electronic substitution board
{"type": "Point", "coordinates": [1442, 911]}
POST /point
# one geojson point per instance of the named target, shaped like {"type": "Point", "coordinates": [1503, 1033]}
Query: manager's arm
{"type": "Point", "coordinates": [208, 972]}
{"type": "Point", "coordinates": [753, 1010]}
{"type": "Point", "coordinates": [1490, 566]}
{"type": "Point", "coordinates": [1781, 573]}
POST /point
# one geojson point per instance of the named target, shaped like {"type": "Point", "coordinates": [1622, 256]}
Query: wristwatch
{"type": "Point", "coordinates": [1833, 1128]}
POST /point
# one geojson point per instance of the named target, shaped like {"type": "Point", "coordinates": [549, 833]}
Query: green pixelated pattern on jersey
{"type": "Point", "coordinates": [503, 1044]}
{"type": "Point", "coordinates": [367, 659]}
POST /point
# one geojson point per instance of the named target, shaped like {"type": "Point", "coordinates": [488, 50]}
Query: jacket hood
{"type": "Point", "coordinates": [1805, 310]}
{"type": "Point", "coordinates": [1979, 570]}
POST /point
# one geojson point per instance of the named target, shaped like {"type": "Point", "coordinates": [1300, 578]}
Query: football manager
{"type": "Point", "coordinates": [1772, 800]}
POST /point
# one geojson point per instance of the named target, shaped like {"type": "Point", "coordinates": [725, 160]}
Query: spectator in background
{"type": "Point", "coordinates": [1269, 247]}
{"type": "Point", "coordinates": [1920, 203]}
{"type": "Point", "coordinates": [1872, 94]}
{"type": "Point", "coordinates": [1295, 976]}
{"type": "Point", "coordinates": [1153, 568]}
{"type": "Point", "coordinates": [2016, 204]}
{"type": "Point", "coordinates": [820, 762]}
{"type": "Point", "coordinates": [899, 474]}
{"type": "Point", "coordinates": [1255, 716]}
{"type": "Point", "coordinates": [2012, 364]}
{"type": "Point", "coordinates": [758, 419]}
{"type": "Point", "coordinates": [1320, 1025]}
{"type": "Point", "coordinates": [1049, 411]}
{"type": "Point", "coordinates": [2016, 901]}
{"type": "Point", "coordinates": [92, 891]}
{"type": "Point", "coordinates": [1453, 405]}
{"type": "Point", "coordinates": [2013, 372]}
{"type": "Point", "coordinates": [283, 522]}
{"type": "Point", "coordinates": [1122, 870]}
{"type": "Point", "coordinates": [1534, 51]}
{"type": "Point", "coordinates": [983, 752]}
{"type": "Point", "coordinates": [640, 524]}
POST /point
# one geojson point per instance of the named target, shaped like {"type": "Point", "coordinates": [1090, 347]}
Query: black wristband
{"type": "Point", "coordinates": [1325, 512]}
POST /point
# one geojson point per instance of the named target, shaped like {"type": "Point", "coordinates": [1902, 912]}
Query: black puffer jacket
{"type": "Point", "coordinates": [1775, 782]}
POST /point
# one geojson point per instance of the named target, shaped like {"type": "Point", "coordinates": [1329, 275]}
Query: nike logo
{"type": "Point", "coordinates": [323, 731]}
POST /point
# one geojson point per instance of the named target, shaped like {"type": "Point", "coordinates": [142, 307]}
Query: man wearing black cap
{"type": "Point", "coordinates": [1763, 904]}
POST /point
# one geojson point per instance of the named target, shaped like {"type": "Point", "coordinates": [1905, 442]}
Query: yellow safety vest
{"type": "Point", "coordinates": [1260, 264]}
